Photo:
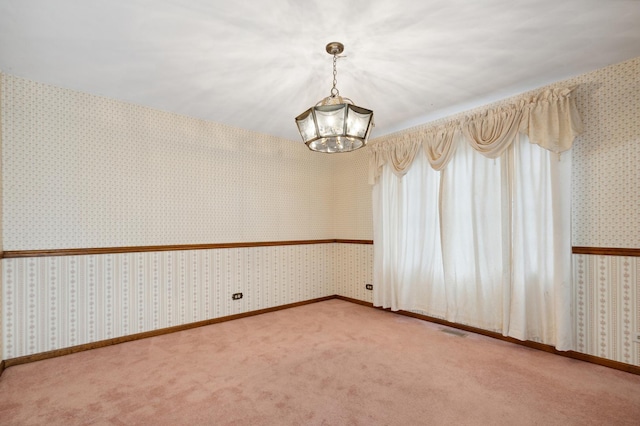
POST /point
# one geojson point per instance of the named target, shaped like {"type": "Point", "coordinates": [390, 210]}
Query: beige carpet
{"type": "Point", "coordinates": [328, 363]}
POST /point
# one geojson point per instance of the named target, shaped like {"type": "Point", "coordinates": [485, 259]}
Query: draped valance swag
{"type": "Point", "coordinates": [549, 119]}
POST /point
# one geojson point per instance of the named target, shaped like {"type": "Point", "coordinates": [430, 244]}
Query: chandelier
{"type": "Point", "coordinates": [335, 124]}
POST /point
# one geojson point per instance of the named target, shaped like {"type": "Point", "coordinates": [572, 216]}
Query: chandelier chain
{"type": "Point", "coordinates": [334, 91]}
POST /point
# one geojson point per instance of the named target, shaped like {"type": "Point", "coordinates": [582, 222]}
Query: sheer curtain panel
{"type": "Point", "coordinates": [472, 221]}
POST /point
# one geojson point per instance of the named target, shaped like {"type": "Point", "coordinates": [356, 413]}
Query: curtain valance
{"type": "Point", "coordinates": [492, 132]}
{"type": "Point", "coordinates": [550, 119]}
{"type": "Point", "coordinates": [438, 145]}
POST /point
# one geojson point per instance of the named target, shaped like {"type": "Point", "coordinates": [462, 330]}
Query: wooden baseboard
{"type": "Point", "coordinates": [534, 345]}
{"type": "Point", "coordinates": [103, 343]}
{"type": "Point", "coordinates": [2, 367]}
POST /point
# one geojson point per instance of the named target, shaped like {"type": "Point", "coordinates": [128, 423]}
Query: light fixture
{"type": "Point", "coordinates": [335, 124]}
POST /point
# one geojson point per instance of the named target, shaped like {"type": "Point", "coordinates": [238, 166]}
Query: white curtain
{"type": "Point", "coordinates": [407, 247]}
{"type": "Point", "coordinates": [541, 307]}
{"type": "Point", "coordinates": [473, 244]}
{"type": "Point", "coordinates": [483, 242]}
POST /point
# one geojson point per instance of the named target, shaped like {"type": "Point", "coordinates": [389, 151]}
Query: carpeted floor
{"type": "Point", "coordinates": [328, 363]}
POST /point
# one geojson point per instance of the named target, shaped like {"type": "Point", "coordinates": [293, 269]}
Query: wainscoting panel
{"type": "Point", "coordinates": [353, 269]}
{"type": "Point", "coordinates": [57, 302]}
{"type": "Point", "coordinates": [607, 298]}
{"type": "Point", "coordinates": [607, 304]}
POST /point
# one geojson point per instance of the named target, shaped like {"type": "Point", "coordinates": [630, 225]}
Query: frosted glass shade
{"type": "Point", "coordinates": [333, 128]}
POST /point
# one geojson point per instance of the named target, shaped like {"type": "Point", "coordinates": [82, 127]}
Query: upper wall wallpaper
{"type": "Point", "coordinates": [86, 171]}
{"type": "Point", "coordinates": [352, 217]}
{"type": "Point", "coordinates": [606, 158]}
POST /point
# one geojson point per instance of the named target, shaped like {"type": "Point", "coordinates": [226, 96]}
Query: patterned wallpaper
{"type": "Point", "coordinates": [57, 302]}
{"type": "Point", "coordinates": [86, 171]}
{"type": "Point", "coordinates": [606, 175]}
{"type": "Point", "coordinates": [608, 306]}
{"type": "Point", "coordinates": [352, 270]}
{"type": "Point", "coordinates": [187, 176]}
{"type": "Point", "coordinates": [352, 217]}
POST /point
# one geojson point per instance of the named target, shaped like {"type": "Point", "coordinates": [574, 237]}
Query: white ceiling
{"type": "Point", "coordinates": [256, 64]}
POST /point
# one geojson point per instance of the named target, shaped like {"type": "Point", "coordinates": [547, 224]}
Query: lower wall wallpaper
{"type": "Point", "coordinates": [56, 302]}
{"type": "Point", "coordinates": [353, 270]}
{"type": "Point", "coordinates": [607, 299]}
{"type": "Point", "coordinates": [606, 294]}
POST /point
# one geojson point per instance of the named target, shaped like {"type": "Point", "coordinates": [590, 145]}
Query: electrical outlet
{"type": "Point", "coordinates": [236, 296]}
{"type": "Point", "coordinates": [369, 286]}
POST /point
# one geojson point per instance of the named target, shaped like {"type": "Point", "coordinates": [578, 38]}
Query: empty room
{"type": "Point", "coordinates": [315, 212]}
